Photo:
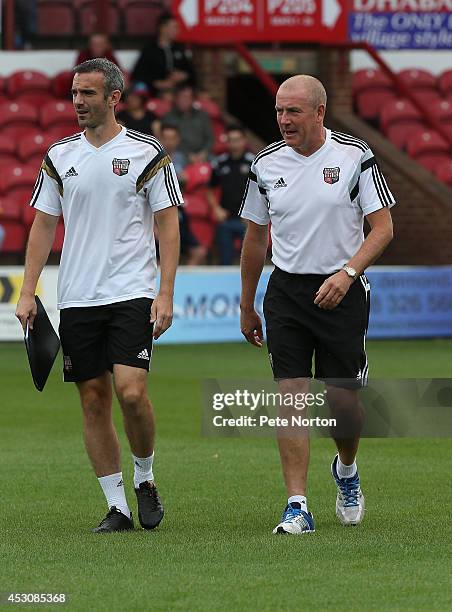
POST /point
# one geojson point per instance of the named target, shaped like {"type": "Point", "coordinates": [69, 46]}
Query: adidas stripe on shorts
{"type": "Point", "coordinates": [94, 338]}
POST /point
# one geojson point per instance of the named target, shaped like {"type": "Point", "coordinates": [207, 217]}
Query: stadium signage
{"type": "Point", "coordinates": [229, 21]}
{"type": "Point", "coordinates": [402, 24]}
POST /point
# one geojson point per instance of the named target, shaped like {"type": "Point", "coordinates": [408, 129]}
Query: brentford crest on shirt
{"type": "Point", "coordinates": [120, 166]}
{"type": "Point", "coordinates": [331, 175]}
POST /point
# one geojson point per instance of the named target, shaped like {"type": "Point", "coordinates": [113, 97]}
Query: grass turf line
{"type": "Point", "coordinates": [214, 549]}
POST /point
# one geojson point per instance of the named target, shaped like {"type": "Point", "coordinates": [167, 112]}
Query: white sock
{"type": "Point", "coordinates": [345, 471]}
{"type": "Point", "coordinates": [142, 469]}
{"type": "Point", "coordinates": [113, 488]}
{"type": "Point", "coordinates": [301, 499]}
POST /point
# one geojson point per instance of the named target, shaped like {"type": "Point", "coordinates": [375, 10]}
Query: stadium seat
{"type": "Point", "coordinates": [398, 120]}
{"type": "Point", "coordinates": [57, 113]}
{"type": "Point", "coordinates": [62, 131]}
{"type": "Point", "coordinates": [59, 237]}
{"type": "Point", "coordinates": [62, 83]}
{"type": "Point", "coordinates": [421, 83]}
{"type": "Point", "coordinates": [196, 205]}
{"type": "Point", "coordinates": [88, 18]}
{"type": "Point", "coordinates": [2, 84]}
{"type": "Point", "coordinates": [25, 81]}
{"type": "Point", "coordinates": [55, 18]}
{"type": "Point", "coordinates": [201, 223]}
{"type": "Point", "coordinates": [444, 171]}
{"type": "Point", "coordinates": [17, 179]}
{"type": "Point", "coordinates": [210, 107]}
{"type": "Point", "coordinates": [221, 139]}
{"type": "Point", "coordinates": [445, 83]}
{"type": "Point", "coordinates": [14, 241]}
{"type": "Point", "coordinates": [7, 147]}
{"type": "Point", "coordinates": [371, 90]}
{"type": "Point", "coordinates": [17, 118]}
{"type": "Point", "coordinates": [10, 209]}
{"type": "Point", "coordinates": [32, 148]}
{"type": "Point", "coordinates": [8, 160]}
{"type": "Point", "coordinates": [159, 106]}
{"type": "Point", "coordinates": [36, 99]}
{"type": "Point", "coordinates": [428, 148]}
{"type": "Point", "coordinates": [196, 176]}
{"type": "Point", "coordinates": [140, 17]}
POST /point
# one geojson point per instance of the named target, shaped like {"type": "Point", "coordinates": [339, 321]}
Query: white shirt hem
{"type": "Point", "coordinates": [106, 301]}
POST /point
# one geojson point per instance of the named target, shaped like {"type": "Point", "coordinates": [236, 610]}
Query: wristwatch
{"type": "Point", "coordinates": [351, 272]}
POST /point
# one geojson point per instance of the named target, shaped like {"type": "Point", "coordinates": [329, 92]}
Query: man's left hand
{"type": "Point", "coordinates": [161, 314]}
{"type": "Point", "coordinates": [333, 290]}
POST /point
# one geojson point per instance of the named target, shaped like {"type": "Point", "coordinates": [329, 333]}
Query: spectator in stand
{"type": "Point", "coordinates": [170, 139]}
{"type": "Point", "coordinates": [194, 252]}
{"type": "Point", "coordinates": [193, 124]}
{"type": "Point", "coordinates": [230, 173]}
{"type": "Point", "coordinates": [25, 21]}
{"type": "Point", "coordinates": [136, 116]}
{"type": "Point", "coordinates": [164, 63]}
{"type": "Point", "coordinates": [99, 45]}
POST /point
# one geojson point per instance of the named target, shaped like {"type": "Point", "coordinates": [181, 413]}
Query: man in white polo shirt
{"type": "Point", "coordinates": [315, 187]}
{"type": "Point", "coordinates": [109, 183]}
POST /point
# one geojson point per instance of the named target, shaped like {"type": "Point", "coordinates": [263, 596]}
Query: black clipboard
{"type": "Point", "coordinates": [42, 344]}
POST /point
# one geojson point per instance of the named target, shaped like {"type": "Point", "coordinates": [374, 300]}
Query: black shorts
{"type": "Point", "coordinates": [298, 330]}
{"type": "Point", "coordinates": [93, 338]}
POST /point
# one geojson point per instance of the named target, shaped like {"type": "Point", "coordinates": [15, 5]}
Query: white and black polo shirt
{"type": "Point", "coordinates": [107, 196]}
{"type": "Point", "coordinates": [316, 204]}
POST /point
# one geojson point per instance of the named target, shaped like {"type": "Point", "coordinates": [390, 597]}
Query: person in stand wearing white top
{"type": "Point", "coordinates": [109, 183]}
{"type": "Point", "coordinates": [315, 187]}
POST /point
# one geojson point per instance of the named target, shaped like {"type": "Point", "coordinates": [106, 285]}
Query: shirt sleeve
{"type": "Point", "coordinates": [254, 203]}
{"type": "Point", "coordinates": [214, 180]}
{"type": "Point", "coordinates": [371, 188]}
{"type": "Point", "coordinates": [48, 189]}
{"type": "Point", "coordinates": [160, 183]}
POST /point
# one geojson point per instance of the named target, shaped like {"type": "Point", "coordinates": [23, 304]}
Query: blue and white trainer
{"type": "Point", "coordinates": [350, 499]}
{"type": "Point", "coordinates": [295, 520]}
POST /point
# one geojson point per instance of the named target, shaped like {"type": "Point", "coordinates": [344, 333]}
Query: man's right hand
{"type": "Point", "coordinates": [251, 327]}
{"type": "Point", "coordinates": [220, 214]}
{"type": "Point", "coordinates": [26, 310]}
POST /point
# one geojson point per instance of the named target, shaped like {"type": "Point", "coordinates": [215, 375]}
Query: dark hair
{"type": "Point", "coordinates": [235, 127]}
{"type": "Point", "coordinates": [163, 19]}
{"type": "Point", "coordinates": [114, 79]}
{"type": "Point", "coordinates": [182, 87]}
{"type": "Point", "coordinates": [170, 126]}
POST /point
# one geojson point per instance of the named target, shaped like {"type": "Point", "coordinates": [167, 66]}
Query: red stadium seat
{"type": "Point", "coordinates": [140, 17]}
{"type": "Point", "coordinates": [58, 112]}
{"type": "Point", "coordinates": [62, 83]}
{"type": "Point", "coordinates": [372, 89]}
{"type": "Point", "coordinates": [159, 106]}
{"type": "Point", "coordinates": [2, 84]}
{"type": "Point", "coordinates": [421, 83]}
{"type": "Point", "coordinates": [36, 99]}
{"type": "Point", "coordinates": [28, 216]}
{"type": "Point", "coordinates": [197, 175]}
{"type": "Point", "coordinates": [444, 171]}
{"type": "Point", "coordinates": [17, 179]}
{"type": "Point", "coordinates": [196, 205]}
{"type": "Point", "coordinates": [17, 113]}
{"type": "Point", "coordinates": [33, 148]}
{"type": "Point", "coordinates": [59, 237]}
{"type": "Point", "coordinates": [7, 146]}
{"type": "Point", "coordinates": [221, 139]}
{"type": "Point", "coordinates": [398, 119]}
{"type": "Point", "coordinates": [24, 81]}
{"type": "Point", "coordinates": [14, 241]}
{"type": "Point", "coordinates": [445, 83]}
{"type": "Point", "coordinates": [10, 209]}
{"type": "Point", "coordinates": [88, 18]}
{"type": "Point", "coordinates": [210, 107]}
{"type": "Point", "coordinates": [8, 160]}
{"type": "Point", "coordinates": [428, 148]}
{"type": "Point", "coordinates": [62, 131]}
{"type": "Point", "coordinates": [55, 18]}
{"type": "Point", "coordinates": [442, 109]}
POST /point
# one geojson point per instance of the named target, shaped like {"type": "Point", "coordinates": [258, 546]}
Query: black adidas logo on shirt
{"type": "Point", "coordinates": [71, 172]}
{"type": "Point", "coordinates": [280, 183]}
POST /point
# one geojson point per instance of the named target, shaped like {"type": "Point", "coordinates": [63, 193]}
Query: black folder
{"type": "Point", "coordinates": [42, 344]}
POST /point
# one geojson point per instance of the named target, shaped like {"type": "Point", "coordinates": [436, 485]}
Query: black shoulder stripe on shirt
{"type": "Point", "coordinates": [262, 190]}
{"type": "Point", "coordinates": [49, 168]}
{"type": "Point", "coordinates": [144, 138]}
{"type": "Point", "coordinates": [171, 186]}
{"type": "Point", "coordinates": [252, 176]}
{"type": "Point", "coordinates": [245, 193]}
{"type": "Point", "coordinates": [159, 161]}
{"type": "Point", "coordinates": [66, 140]}
{"type": "Point", "coordinates": [270, 149]}
{"type": "Point", "coordinates": [368, 163]}
{"type": "Point", "coordinates": [381, 186]}
{"type": "Point", "coordinates": [37, 188]}
{"type": "Point", "coordinates": [350, 138]}
{"type": "Point", "coordinates": [355, 191]}
{"type": "Point", "coordinates": [351, 143]}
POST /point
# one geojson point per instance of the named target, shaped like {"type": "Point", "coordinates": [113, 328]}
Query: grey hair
{"type": "Point", "coordinates": [114, 79]}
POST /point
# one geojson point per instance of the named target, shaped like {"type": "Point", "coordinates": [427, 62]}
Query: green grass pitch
{"type": "Point", "coordinates": [214, 549]}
